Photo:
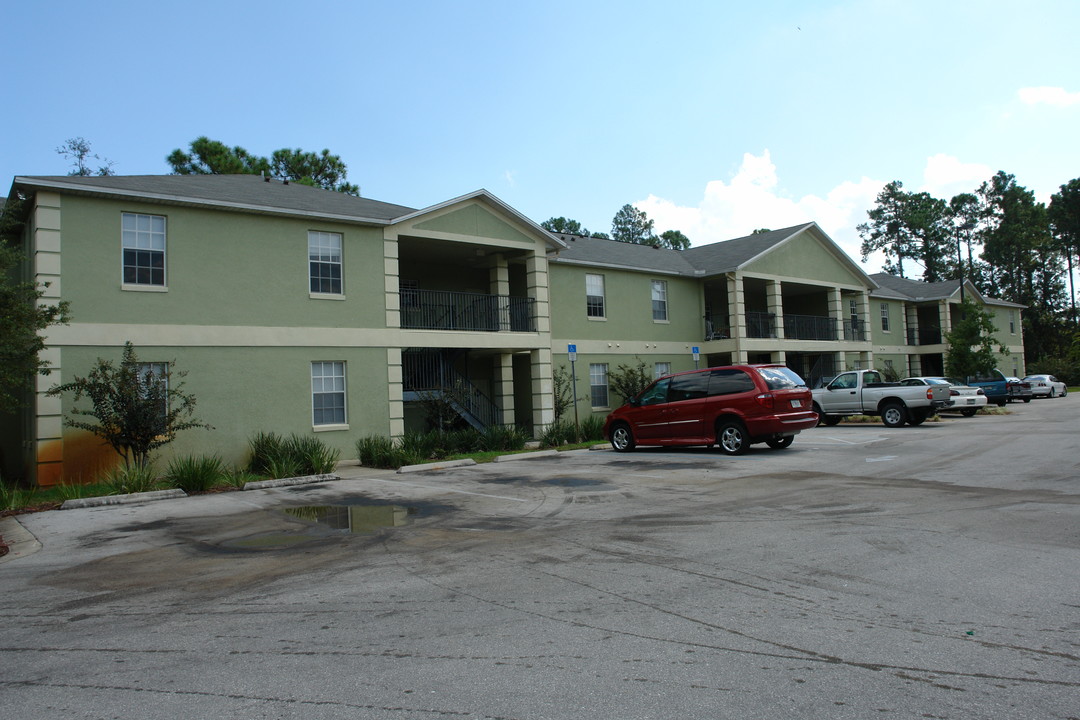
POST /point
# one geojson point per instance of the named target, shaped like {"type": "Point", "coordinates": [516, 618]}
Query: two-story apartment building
{"type": "Point", "coordinates": [295, 309]}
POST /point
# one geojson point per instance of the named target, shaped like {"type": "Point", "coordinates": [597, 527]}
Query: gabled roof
{"type": "Point", "coordinates": [250, 193]}
{"type": "Point", "coordinates": [702, 261]}
{"type": "Point", "coordinates": [488, 198]}
{"type": "Point", "coordinates": [729, 255]}
{"type": "Point", "coordinates": [900, 288]}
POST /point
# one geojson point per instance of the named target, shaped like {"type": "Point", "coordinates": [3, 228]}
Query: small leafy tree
{"type": "Point", "coordinates": [563, 386]}
{"type": "Point", "coordinates": [972, 344]}
{"type": "Point", "coordinates": [629, 380]}
{"type": "Point", "coordinates": [22, 314]}
{"type": "Point", "coordinates": [137, 410]}
{"type": "Point", "coordinates": [78, 151]}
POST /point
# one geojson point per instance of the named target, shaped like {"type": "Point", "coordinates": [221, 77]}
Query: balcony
{"type": "Point", "coordinates": [760, 325]}
{"type": "Point", "coordinates": [924, 336]}
{"type": "Point", "coordinates": [474, 312]}
{"type": "Point", "coordinates": [809, 327]}
{"type": "Point", "coordinates": [855, 329]}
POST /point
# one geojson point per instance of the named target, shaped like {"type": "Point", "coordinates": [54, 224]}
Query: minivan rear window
{"type": "Point", "coordinates": [781, 378]}
{"type": "Point", "coordinates": [728, 381]}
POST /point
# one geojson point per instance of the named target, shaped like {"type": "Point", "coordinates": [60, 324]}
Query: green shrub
{"type": "Point", "coordinates": [13, 497]}
{"type": "Point", "coordinates": [131, 479]}
{"type": "Point", "coordinates": [374, 451]}
{"type": "Point", "coordinates": [592, 428]}
{"type": "Point", "coordinates": [296, 455]}
{"type": "Point", "coordinates": [238, 477]}
{"type": "Point", "coordinates": [194, 474]}
{"type": "Point", "coordinates": [311, 455]}
{"type": "Point", "coordinates": [559, 433]}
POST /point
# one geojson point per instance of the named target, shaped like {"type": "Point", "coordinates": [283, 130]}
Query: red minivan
{"type": "Point", "coordinates": [732, 406]}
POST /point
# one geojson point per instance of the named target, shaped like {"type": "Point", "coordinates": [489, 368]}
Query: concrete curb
{"type": "Point", "coordinates": [122, 499]}
{"type": "Point", "coordinates": [20, 541]}
{"type": "Point", "coordinates": [593, 448]}
{"type": "Point", "coordinates": [283, 482]}
{"type": "Point", "coordinates": [527, 456]}
{"type": "Point", "coordinates": [436, 466]}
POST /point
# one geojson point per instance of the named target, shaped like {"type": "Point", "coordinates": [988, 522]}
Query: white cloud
{"type": "Point", "coordinates": [751, 201]}
{"type": "Point", "coordinates": [1057, 96]}
{"type": "Point", "coordinates": [946, 176]}
{"type": "Point", "coordinates": [511, 177]}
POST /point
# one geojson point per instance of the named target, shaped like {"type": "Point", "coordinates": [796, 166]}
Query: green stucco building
{"type": "Point", "coordinates": [296, 309]}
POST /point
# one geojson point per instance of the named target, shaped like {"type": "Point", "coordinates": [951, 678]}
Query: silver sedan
{"type": "Point", "coordinates": [1046, 386]}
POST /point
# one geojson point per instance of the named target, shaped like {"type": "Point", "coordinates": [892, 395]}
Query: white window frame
{"type": "Point", "coordinates": [1012, 322]}
{"type": "Point", "coordinates": [325, 251]}
{"type": "Point", "coordinates": [146, 236]}
{"type": "Point", "coordinates": [659, 301]}
{"type": "Point", "coordinates": [598, 385]}
{"type": "Point", "coordinates": [886, 324]}
{"type": "Point", "coordinates": [660, 369]}
{"type": "Point", "coordinates": [595, 304]}
{"type": "Point", "coordinates": [333, 371]}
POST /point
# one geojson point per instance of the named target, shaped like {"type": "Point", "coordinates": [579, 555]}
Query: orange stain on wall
{"type": "Point", "coordinates": [78, 458]}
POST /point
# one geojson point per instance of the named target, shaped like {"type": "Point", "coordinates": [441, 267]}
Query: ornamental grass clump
{"type": "Point", "coordinates": [194, 474]}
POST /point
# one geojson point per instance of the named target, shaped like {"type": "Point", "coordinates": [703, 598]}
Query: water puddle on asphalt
{"type": "Point", "coordinates": [357, 519]}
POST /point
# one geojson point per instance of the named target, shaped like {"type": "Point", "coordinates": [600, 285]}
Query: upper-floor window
{"type": "Point", "coordinates": [594, 296]}
{"type": "Point", "coordinates": [659, 300]}
{"type": "Point", "coordinates": [143, 240]}
{"type": "Point", "coordinates": [327, 393]}
{"type": "Point", "coordinates": [885, 317]}
{"type": "Point", "coordinates": [324, 262]}
{"type": "Point", "coordinates": [1012, 322]}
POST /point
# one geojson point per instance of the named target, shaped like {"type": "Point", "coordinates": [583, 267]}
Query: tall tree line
{"type": "Point", "coordinates": [1009, 245]}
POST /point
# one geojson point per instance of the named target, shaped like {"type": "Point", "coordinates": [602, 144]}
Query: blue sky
{"type": "Point", "coordinates": [715, 118]}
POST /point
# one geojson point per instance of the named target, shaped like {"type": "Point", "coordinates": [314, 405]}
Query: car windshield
{"type": "Point", "coordinates": [781, 378]}
{"type": "Point", "coordinates": [940, 381]}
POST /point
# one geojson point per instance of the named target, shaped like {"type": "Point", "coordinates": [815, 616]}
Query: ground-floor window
{"type": "Point", "coordinates": [598, 384]}
{"type": "Point", "coordinates": [328, 393]}
{"type": "Point", "coordinates": [661, 369]}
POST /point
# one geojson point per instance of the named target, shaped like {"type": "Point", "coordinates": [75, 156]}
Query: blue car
{"type": "Point", "coordinates": [993, 384]}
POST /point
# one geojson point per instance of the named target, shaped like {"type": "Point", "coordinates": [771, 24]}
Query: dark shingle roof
{"type": "Point", "coordinates": [712, 259]}
{"type": "Point", "coordinates": [916, 289]}
{"type": "Point", "coordinates": [612, 253]}
{"type": "Point", "coordinates": [247, 192]}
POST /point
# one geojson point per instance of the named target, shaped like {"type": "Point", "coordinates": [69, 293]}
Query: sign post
{"type": "Point", "coordinates": [572, 350]}
{"type": "Point", "coordinates": [697, 355]}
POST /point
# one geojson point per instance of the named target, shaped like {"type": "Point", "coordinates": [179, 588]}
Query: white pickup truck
{"type": "Point", "coordinates": [863, 392]}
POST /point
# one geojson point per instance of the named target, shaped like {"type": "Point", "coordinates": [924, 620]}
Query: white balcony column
{"type": "Point", "coordinates": [737, 308]}
{"type": "Point", "coordinates": [543, 390]}
{"type": "Point", "coordinates": [396, 387]}
{"type": "Point", "coordinates": [536, 273]}
{"type": "Point", "coordinates": [500, 287]}
{"type": "Point", "coordinates": [774, 296]}
{"type": "Point", "coordinates": [837, 312]}
{"type": "Point", "coordinates": [504, 386]}
{"type": "Point", "coordinates": [47, 466]}
{"type": "Point", "coordinates": [864, 312]}
{"type": "Point", "coordinates": [946, 318]}
{"type": "Point", "coordinates": [392, 282]}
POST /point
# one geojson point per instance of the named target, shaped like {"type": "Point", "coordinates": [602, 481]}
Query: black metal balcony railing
{"type": "Point", "coordinates": [450, 310]}
{"type": "Point", "coordinates": [760, 325]}
{"type": "Point", "coordinates": [809, 327]}
{"type": "Point", "coordinates": [855, 329]}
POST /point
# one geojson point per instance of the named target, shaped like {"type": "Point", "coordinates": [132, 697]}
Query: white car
{"type": "Point", "coordinates": [1046, 386]}
{"type": "Point", "coordinates": [963, 399]}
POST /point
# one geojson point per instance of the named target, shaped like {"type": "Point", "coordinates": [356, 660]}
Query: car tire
{"type": "Point", "coordinates": [894, 414]}
{"type": "Point", "coordinates": [731, 437]}
{"type": "Point", "coordinates": [827, 420]}
{"type": "Point", "coordinates": [1065, 391]}
{"type": "Point", "coordinates": [781, 442]}
{"type": "Point", "coordinates": [1027, 399]}
{"type": "Point", "coordinates": [622, 440]}
{"type": "Point", "coordinates": [1053, 392]}
{"type": "Point", "coordinates": [970, 412]}
{"type": "Point", "coordinates": [917, 417]}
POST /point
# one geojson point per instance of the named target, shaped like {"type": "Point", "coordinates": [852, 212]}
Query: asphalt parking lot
{"type": "Point", "coordinates": [929, 572]}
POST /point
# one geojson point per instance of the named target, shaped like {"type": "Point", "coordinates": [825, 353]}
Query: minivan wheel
{"type": "Point", "coordinates": [621, 438]}
{"type": "Point", "coordinates": [731, 438]}
{"type": "Point", "coordinates": [781, 442]}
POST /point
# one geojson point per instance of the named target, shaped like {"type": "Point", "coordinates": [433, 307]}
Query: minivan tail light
{"type": "Point", "coordinates": [765, 400]}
